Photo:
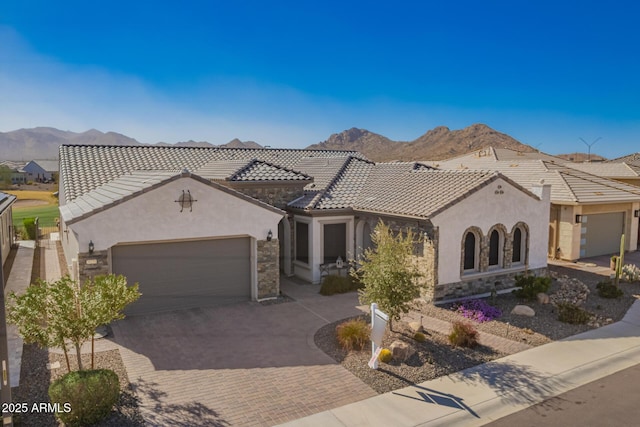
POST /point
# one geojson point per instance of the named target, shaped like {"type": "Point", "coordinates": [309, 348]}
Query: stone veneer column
{"type": "Point", "coordinates": [91, 265]}
{"type": "Point", "coordinates": [268, 268]}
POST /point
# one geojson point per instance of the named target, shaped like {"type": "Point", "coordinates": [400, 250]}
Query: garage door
{"type": "Point", "coordinates": [603, 233]}
{"type": "Point", "coordinates": [178, 275]}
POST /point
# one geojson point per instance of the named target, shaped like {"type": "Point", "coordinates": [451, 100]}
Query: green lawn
{"type": "Point", "coordinates": [47, 214]}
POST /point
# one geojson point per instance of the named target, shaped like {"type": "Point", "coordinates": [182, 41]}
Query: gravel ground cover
{"type": "Point", "coordinates": [436, 357]}
{"type": "Point", "coordinates": [35, 378]}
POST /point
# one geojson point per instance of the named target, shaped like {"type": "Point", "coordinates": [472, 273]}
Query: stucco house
{"type": "Point", "coordinates": [213, 225]}
{"type": "Point", "coordinates": [6, 224]}
{"type": "Point", "coordinates": [588, 213]}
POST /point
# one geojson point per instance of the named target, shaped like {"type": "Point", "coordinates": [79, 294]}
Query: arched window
{"type": "Point", "coordinates": [470, 251]}
{"type": "Point", "coordinates": [494, 248]}
{"type": "Point", "coordinates": [517, 246]}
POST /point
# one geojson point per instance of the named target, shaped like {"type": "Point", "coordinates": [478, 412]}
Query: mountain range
{"type": "Point", "coordinates": [43, 142]}
{"type": "Point", "coordinates": [438, 143]}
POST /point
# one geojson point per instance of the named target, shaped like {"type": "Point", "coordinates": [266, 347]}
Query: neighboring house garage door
{"type": "Point", "coordinates": [178, 275]}
{"type": "Point", "coordinates": [603, 233]}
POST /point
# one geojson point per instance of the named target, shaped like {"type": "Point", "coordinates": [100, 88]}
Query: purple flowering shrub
{"type": "Point", "coordinates": [478, 310]}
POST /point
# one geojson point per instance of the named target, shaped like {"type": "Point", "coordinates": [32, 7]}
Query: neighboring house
{"type": "Point", "coordinates": [199, 226]}
{"type": "Point", "coordinates": [589, 213]}
{"type": "Point", "coordinates": [41, 170]}
{"type": "Point", "coordinates": [14, 171]}
{"type": "Point", "coordinates": [6, 224]}
{"type": "Point", "coordinates": [623, 172]}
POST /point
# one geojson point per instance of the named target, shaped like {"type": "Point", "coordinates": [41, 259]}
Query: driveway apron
{"type": "Point", "coordinates": [245, 364]}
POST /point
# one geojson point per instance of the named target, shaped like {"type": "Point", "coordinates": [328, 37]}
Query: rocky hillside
{"type": "Point", "coordinates": [43, 142]}
{"type": "Point", "coordinates": [436, 144]}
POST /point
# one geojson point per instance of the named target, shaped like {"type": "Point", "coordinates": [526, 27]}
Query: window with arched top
{"type": "Point", "coordinates": [516, 256]}
{"type": "Point", "coordinates": [494, 248]}
{"type": "Point", "coordinates": [471, 251]}
{"type": "Point", "coordinates": [520, 244]}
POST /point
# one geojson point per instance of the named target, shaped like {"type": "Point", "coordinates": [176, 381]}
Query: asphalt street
{"type": "Point", "coordinates": [610, 401]}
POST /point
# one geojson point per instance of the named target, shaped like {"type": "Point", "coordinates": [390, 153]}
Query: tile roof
{"type": "Point", "coordinates": [248, 171]}
{"type": "Point", "coordinates": [501, 154]}
{"type": "Point", "coordinates": [419, 193]}
{"type": "Point", "coordinates": [86, 167]}
{"type": "Point", "coordinates": [6, 200]}
{"type": "Point", "coordinates": [568, 185]}
{"type": "Point", "coordinates": [608, 170]}
{"type": "Point", "coordinates": [128, 186]}
{"type": "Point", "coordinates": [632, 159]}
{"type": "Point", "coordinates": [398, 188]}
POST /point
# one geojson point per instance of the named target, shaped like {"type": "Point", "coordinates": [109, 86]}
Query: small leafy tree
{"type": "Point", "coordinates": [50, 314]}
{"type": "Point", "coordinates": [389, 272]}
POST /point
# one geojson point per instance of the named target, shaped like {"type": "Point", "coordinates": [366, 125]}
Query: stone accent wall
{"type": "Point", "coordinates": [481, 285]}
{"type": "Point", "coordinates": [91, 265]}
{"type": "Point", "coordinates": [268, 269]}
{"type": "Point", "coordinates": [275, 196]}
{"type": "Point", "coordinates": [425, 252]}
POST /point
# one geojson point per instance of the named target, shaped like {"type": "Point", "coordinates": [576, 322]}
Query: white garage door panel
{"type": "Point", "coordinates": [179, 275]}
{"type": "Point", "coordinates": [603, 233]}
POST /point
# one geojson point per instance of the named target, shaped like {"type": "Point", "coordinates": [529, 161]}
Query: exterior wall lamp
{"type": "Point", "coordinates": [578, 219]}
{"type": "Point", "coordinates": [636, 213]}
{"type": "Point", "coordinates": [269, 236]}
{"type": "Point", "coordinates": [91, 246]}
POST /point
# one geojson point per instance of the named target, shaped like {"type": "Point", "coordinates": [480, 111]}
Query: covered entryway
{"type": "Point", "coordinates": [603, 232]}
{"type": "Point", "coordinates": [186, 274]}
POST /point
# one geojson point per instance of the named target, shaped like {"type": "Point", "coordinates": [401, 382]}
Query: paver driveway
{"type": "Point", "coordinates": [245, 364]}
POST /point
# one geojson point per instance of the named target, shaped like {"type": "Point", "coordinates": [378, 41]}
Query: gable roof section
{"type": "Point", "coordinates": [132, 185]}
{"type": "Point", "coordinates": [633, 159]}
{"type": "Point", "coordinates": [568, 185]}
{"type": "Point", "coordinates": [248, 171]}
{"type": "Point", "coordinates": [608, 170]}
{"type": "Point", "coordinates": [419, 193]}
{"type": "Point", "coordinates": [492, 154]}
{"type": "Point", "coordinates": [48, 165]}
{"type": "Point", "coordinates": [85, 167]}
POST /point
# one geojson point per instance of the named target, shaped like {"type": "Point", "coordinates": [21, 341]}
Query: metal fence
{"type": "Point", "coordinates": [40, 231]}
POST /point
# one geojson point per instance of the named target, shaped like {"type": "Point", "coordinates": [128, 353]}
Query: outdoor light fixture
{"type": "Point", "coordinates": [339, 263]}
{"type": "Point", "coordinates": [636, 213]}
{"type": "Point", "coordinates": [578, 219]}
{"type": "Point", "coordinates": [186, 201]}
{"type": "Point", "coordinates": [269, 236]}
{"type": "Point", "coordinates": [91, 246]}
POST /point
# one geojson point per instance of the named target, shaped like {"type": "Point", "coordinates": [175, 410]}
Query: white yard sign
{"type": "Point", "coordinates": [378, 326]}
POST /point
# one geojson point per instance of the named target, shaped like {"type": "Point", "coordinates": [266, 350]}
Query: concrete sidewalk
{"type": "Point", "coordinates": [493, 390]}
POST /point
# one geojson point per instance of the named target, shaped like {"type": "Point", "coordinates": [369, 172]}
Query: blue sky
{"type": "Point", "coordinates": [289, 74]}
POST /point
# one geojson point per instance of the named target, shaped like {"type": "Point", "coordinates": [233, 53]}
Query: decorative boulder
{"type": "Point", "coordinates": [523, 310]}
{"type": "Point", "coordinates": [543, 298]}
{"type": "Point", "coordinates": [401, 351]}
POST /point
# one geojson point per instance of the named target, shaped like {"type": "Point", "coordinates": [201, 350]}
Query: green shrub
{"type": "Point", "coordinates": [385, 355]}
{"type": "Point", "coordinates": [607, 289]}
{"type": "Point", "coordinates": [419, 336]}
{"type": "Point", "coordinates": [30, 227]}
{"type": "Point", "coordinates": [571, 313]}
{"type": "Point", "coordinates": [90, 394]}
{"type": "Point", "coordinates": [463, 335]}
{"type": "Point", "coordinates": [531, 286]}
{"type": "Point", "coordinates": [333, 284]}
{"type": "Point", "coordinates": [353, 334]}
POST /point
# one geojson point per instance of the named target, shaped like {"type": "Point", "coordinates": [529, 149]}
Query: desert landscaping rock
{"type": "Point", "coordinates": [572, 291]}
{"type": "Point", "coordinates": [543, 298]}
{"type": "Point", "coordinates": [523, 310]}
{"type": "Point", "coordinates": [401, 351]}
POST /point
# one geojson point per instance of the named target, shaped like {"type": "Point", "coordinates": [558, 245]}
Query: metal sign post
{"type": "Point", "coordinates": [379, 321]}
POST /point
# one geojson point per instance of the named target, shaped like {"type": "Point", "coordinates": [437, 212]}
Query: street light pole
{"type": "Point", "coordinates": [589, 145]}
